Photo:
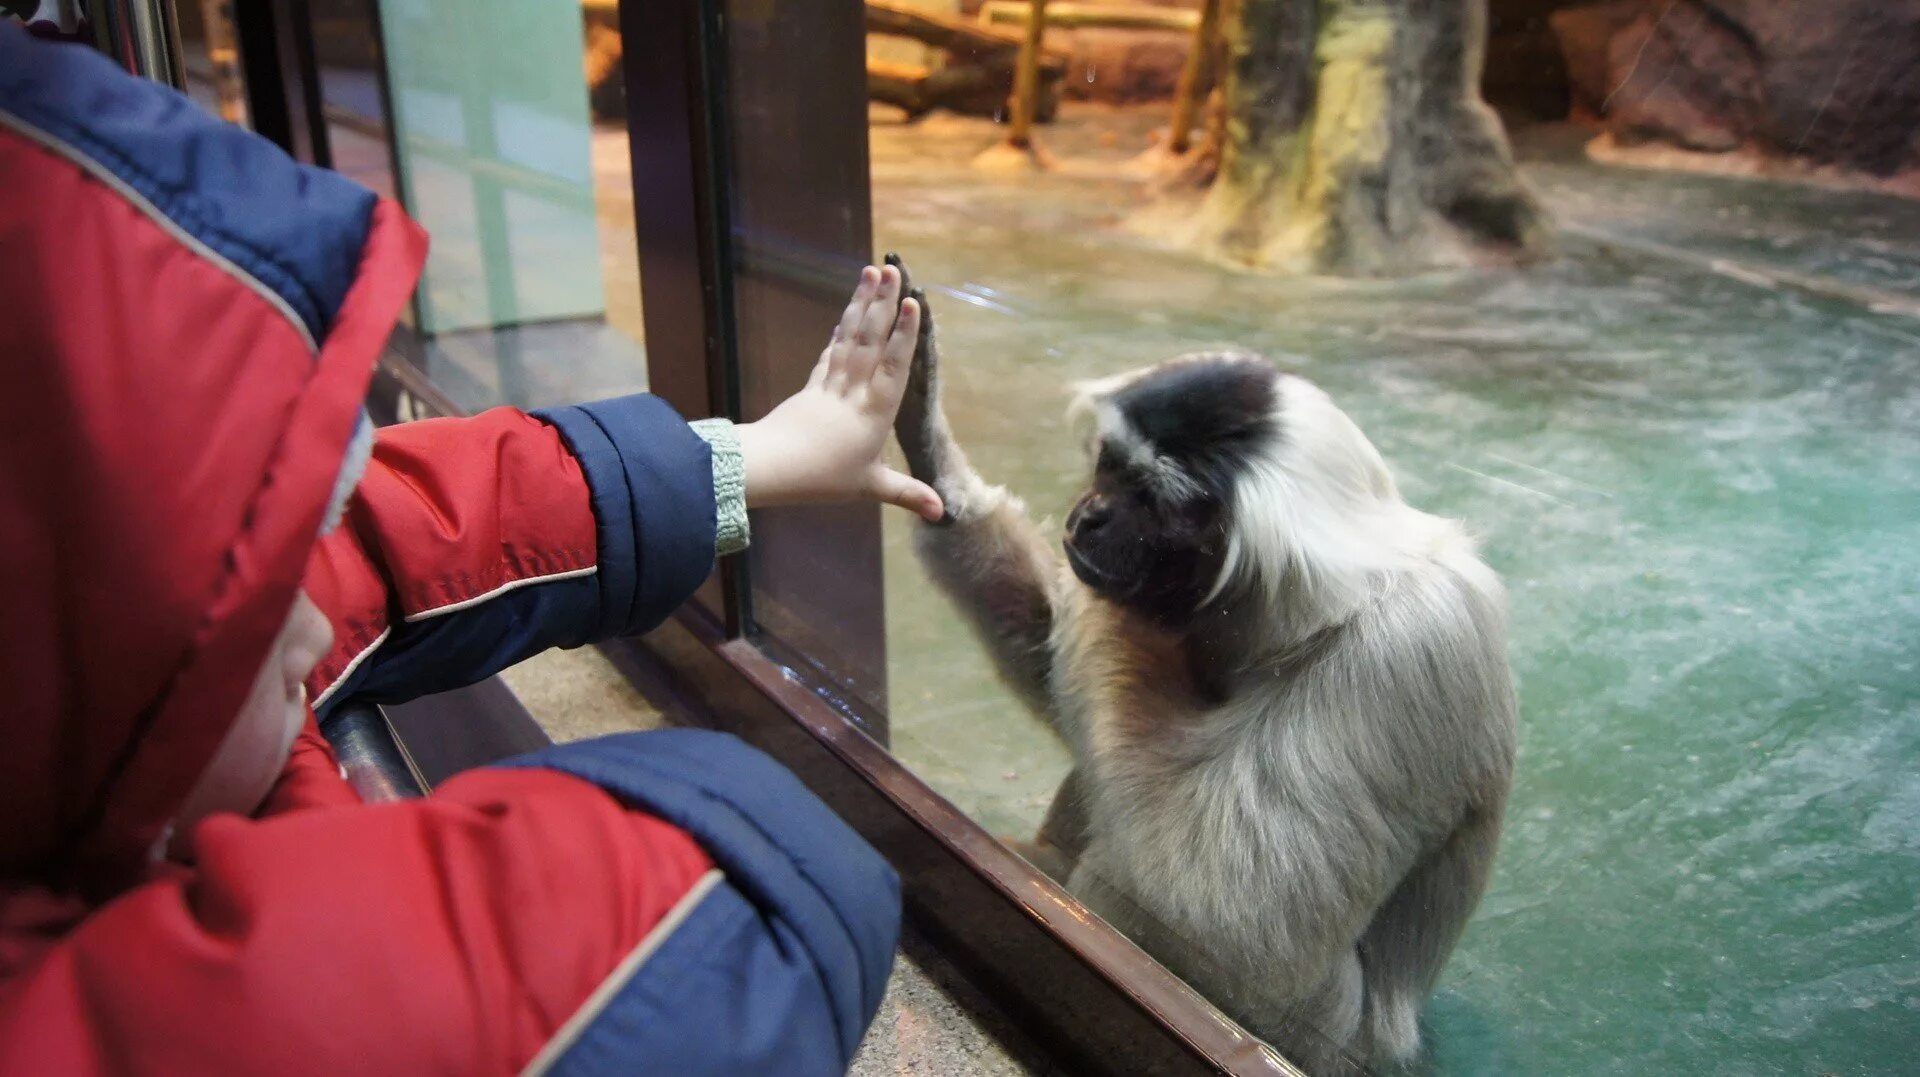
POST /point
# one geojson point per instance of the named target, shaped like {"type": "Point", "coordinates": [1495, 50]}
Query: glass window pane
{"type": "Point", "coordinates": [353, 101]}
{"type": "Point", "coordinates": [209, 48]}
{"type": "Point", "coordinates": [1649, 332]}
{"type": "Point", "coordinates": [485, 124]}
{"type": "Point", "coordinates": [795, 177]}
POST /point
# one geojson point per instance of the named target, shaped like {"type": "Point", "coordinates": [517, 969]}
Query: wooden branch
{"type": "Point", "coordinates": [1192, 76]}
{"type": "Point", "coordinates": [1026, 78]}
{"type": "Point", "coordinates": [963, 40]}
{"type": "Point", "coordinates": [1069, 15]}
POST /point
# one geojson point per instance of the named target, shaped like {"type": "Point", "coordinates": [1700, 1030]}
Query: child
{"type": "Point", "coordinates": [201, 534]}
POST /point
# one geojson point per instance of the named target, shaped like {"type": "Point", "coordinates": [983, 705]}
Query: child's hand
{"type": "Point", "coordinates": [825, 443]}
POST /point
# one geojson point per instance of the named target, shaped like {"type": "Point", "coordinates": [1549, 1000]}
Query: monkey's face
{"type": "Point", "coordinates": [1150, 533]}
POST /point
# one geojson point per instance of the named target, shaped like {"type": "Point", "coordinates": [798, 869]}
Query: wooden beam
{"type": "Point", "coordinates": [968, 89]}
{"type": "Point", "coordinates": [962, 39]}
{"type": "Point", "coordinates": [1069, 14]}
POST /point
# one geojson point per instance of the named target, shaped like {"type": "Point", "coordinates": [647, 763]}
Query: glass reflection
{"type": "Point", "coordinates": [505, 141]}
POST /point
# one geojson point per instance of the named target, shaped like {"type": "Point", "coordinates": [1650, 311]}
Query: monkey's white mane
{"type": "Point", "coordinates": [1318, 520]}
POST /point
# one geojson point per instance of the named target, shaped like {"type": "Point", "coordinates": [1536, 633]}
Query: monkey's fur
{"type": "Point", "coordinates": [1292, 759]}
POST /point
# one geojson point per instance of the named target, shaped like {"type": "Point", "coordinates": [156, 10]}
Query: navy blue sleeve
{"type": "Point", "coordinates": [652, 483]}
{"type": "Point", "coordinates": [780, 967]}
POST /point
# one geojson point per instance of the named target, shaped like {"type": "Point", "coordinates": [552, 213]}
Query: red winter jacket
{"type": "Point", "coordinates": [188, 322]}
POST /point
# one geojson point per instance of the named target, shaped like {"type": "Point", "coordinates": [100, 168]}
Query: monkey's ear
{"type": "Point", "coordinates": [1088, 395]}
{"type": "Point", "coordinates": [1084, 402]}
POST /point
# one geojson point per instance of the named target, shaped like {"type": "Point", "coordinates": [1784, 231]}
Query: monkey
{"type": "Point", "coordinates": [1285, 691]}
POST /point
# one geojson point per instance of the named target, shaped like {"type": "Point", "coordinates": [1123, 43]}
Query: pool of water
{"type": "Point", "coordinates": [1703, 492]}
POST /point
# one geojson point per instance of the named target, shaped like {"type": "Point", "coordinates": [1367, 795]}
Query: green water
{"type": "Point", "coordinates": [1704, 496]}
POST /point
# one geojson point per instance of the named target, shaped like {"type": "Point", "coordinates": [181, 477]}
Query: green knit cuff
{"type": "Point", "coordinates": [730, 531]}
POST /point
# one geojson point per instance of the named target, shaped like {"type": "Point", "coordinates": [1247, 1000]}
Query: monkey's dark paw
{"type": "Point", "coordinates": [909, 291]}
{"type": "Point", "coordinates": [920, 424]}
{"type": "Point", "coordinates": [928, 356]}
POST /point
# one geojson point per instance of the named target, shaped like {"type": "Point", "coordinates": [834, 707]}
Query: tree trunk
{"type": "Point", "coordinates": [1357, 142]}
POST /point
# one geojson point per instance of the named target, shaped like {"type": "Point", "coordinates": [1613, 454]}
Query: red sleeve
{"type": "Point", "coordinates": [452, 515]}
{"type": "Point", "coordinates": [453, 934]}
{"type": "Point", "coordinates": [311, 778]}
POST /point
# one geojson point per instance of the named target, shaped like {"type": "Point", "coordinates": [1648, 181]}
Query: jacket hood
{"type": "Point", "coordinates": [189, 323]}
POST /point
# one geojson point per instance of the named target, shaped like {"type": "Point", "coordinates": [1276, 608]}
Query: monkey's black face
{"type": "Point", "coordinates": [1160, 559]}
{"type": "Point", "coordinates": [1151, 531]}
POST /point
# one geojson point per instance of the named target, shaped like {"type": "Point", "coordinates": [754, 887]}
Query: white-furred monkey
{"type": "Point", "coordinates": [1285, 690]}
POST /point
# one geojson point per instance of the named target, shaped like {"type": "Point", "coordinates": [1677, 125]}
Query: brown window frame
{"type": "Point", "coordinates": [1078, 986]}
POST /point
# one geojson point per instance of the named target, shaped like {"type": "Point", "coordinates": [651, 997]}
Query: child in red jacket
{"type": "Point", "coordinates": [202, 535]}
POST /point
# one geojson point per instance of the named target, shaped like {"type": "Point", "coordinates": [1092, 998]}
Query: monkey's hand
{"type": "Point", "coordinates": [933, 456]}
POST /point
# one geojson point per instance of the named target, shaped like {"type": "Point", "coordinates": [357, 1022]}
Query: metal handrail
{"type": "Point", "coordinates": [371, 756]}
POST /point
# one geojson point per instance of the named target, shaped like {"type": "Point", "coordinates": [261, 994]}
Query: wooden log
{"type": "Point", "coordinates": [1193, 75]}
{"type": "Point", "coordinates": [1026, 79]}
{"type": "Point", "coordinates": [903, 86]}
{"type": "Point", "coordinates": [968, 89]}
{"type": "Point", "coordinates": [961, 38]}
{"type": "Point", "coordinates": [1068, 15]}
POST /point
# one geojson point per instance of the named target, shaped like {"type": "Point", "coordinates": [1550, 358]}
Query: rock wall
{"type": "Point", "coordinates": [1830, 82]}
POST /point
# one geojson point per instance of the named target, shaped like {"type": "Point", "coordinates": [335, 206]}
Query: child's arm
{"type": "Point", "coordinates": [471, 544]}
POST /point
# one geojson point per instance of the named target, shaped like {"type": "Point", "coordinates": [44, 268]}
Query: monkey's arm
{"type": "Point", "coordinates": [986, 555]}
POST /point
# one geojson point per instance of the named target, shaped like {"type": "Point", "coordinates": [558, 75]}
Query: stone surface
{"type": "Point", "coordinates": [1832, 82]}
{"type": "Point", "coordinates": [1526, 74]}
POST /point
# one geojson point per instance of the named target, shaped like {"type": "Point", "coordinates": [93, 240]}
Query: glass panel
{"type": "Point", "coordinates": [1661, 360]}
{"type": "Point", "coordinates": [795, 160]}
{"type": "Point", "coordinates": [353, 99]}
{"type": "Point", "coordinates": [496, 150]}
{"type": "Point", "coordinates": [531, 291]}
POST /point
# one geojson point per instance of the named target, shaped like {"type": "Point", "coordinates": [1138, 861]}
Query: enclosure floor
{"type": "Point", "coordinates": [1702, 486]}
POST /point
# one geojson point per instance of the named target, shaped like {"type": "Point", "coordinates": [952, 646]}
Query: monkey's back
{"type": "Point", "coordinates": [1248, 842]}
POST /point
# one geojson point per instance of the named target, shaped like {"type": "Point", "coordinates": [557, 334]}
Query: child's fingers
{"type": "Point", "coordinates": [871, 335]}
{"type": "Point", "coordinates": [851, 320]}
{"type": "Point", "coordinates": [896, 360]}
{"type": "Point", "coordinates": [892, 488]}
